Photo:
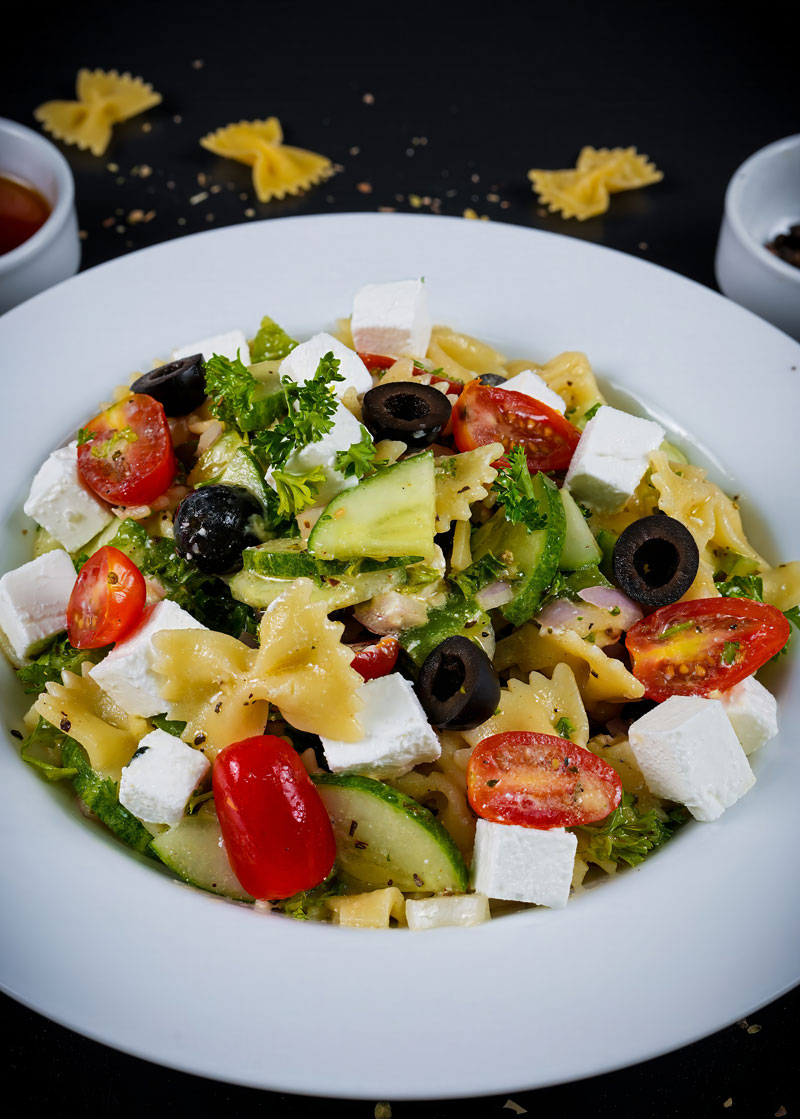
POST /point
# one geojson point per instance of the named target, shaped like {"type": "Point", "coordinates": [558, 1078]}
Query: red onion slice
{"type": "Point", "coordinates": [607, 598]}
{"type": "Point", "coordinates": [494, 595]}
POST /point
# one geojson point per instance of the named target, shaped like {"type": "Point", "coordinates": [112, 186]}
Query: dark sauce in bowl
{"type": "Point", "coordinates": [787, 245]}
{"type": "Point", "coordinates": [23, 210]}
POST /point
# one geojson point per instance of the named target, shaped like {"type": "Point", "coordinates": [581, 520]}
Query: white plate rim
{"type": "Point", "coordinates": [381, 1043]}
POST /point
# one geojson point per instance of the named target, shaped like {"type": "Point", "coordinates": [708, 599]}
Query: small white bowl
{"type": "Point", "coordinates": [53, 253]}
{"type": "Point", "coordinates": [762, 200]}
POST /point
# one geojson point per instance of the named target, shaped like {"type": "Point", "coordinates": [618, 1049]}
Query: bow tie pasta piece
{"type": "Point", "coordinates": [461, 480]}
{"type": "Point", "coordinates": [222, 689]}
{"type": "Point", "coordinates": [583, 191]}
{"type": "Point", "coordinates": [537, 706]}
{"type": "Point", "coordinates": [104, 99]}
{"type": "Point", "coordinates": [278, 170]}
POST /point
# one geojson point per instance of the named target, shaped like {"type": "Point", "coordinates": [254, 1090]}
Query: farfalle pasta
{"type": "Point", "coordinates": [104, 99]}
{"type": "Point", "coordinates": [584, 191]}
{"type": "Point", "coordinates": [278, 169]}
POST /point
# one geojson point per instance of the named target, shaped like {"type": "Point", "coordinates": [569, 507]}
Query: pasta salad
{"type": "Point", "coordinates": [383, 628]}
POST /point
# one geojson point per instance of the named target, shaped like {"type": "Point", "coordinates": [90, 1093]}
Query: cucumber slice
{"type": "Point", "coordinates": [99, 794]}
{"type": "Point", "coordinates": [288, 558]}
{"type": "Point", "coordinates": [580, 547]}
{"type": "Point", "coordinates": [243, 470]}
{"type": "Point", "coordinates": [458, 617]}
{"type": "Point", "coordinates": [392, 513]}
{"type": "Point", "coordinates": [335, 591]}
{"type": "Point", "coordinates": [384, 838]}
{"type": "Point", "coordinates": [193, 849]}
{"type": "Point", "coordinates": [532, 556]}
{"type": "Point", "coordinates": [211, 463]}
{"type": "Point", "coordinates": [606, 541]}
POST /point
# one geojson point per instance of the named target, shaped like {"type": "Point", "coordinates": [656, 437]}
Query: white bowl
{"type": "Point", "coordinates": [53, 253]}
{"type": "Point", "coordinates": [762, 200]}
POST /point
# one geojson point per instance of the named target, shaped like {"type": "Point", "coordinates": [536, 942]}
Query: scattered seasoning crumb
{"type": "Point", "coordinates": [216, 188]}
{"type": "Point", "coordinates": [398, 198]}
{"type": "Point", "coordinates": [505, 205]}
{"type": "Point", "coordinates": [135, 216]}
{"type": "Point", "coordinates": [742, 1023]}
{"type": "Point", "coordinates": [144, 170]}
{"type": "Point", "coordinates": [201, 196]}
{"type": "Point", "coordinates": [492, 197]}
{"type": "Point", "coordinates": [209, 217]}
{"type": "Point", "coordinates": [177, 119]}
{"type": "Point", "coordinates": [643, 245]}
{"type": "Point", "coordinates": [112, 167]}
{"type": "Point", "coordinates": [243, 197]}
{"type": "Point", "coordinates": [147, 126]}
{"type": "Point", "coordinates": [419, 141]}
{"type": "Point", "coordinates": [728, 1102]}
{"type": "Point", "coordinates": [383, 1111]}
{"type": "Point", "coordinates": [16, 734]}
{"type": "Point", "coordinates": [368, 99]}
{"type": "Point", "coordinates": [409, 151]}
{"type": "Point", "coordinates": [201, 178]}
{"type": "Point", "coordinates": [414, 201]}
{"type": "Point", "coordinates": [249, 212]}
{"type": "Point", "coordinates": [129, 244]}
{"type": "Point", "coordinates": [170, 184]}
{"type": "Point", "coordinates": [82, 234]}
{"type": "Point", "coordinates": [120, 179]}
{"type": "Point", "coordinates": [469, 213]}
{"type": "Point", "coordinates": [364, 188]}
{"type": "Point", "coordinates": [120, 229]}
{"type": "Point", "coordinates": [355, 150]}
{"type": "Point", "coordinates": [107, 223]}
{"type": "Point", "coordinates": [780, 1112]}
{"type": "Point", "coordinates": [754, 1029]}
{"type": "Point", "coordinates": [198, 64]}
{"type": "Point", "coordinates": [181, 221]}
{"type": "Point", "coordinates": [387, 210]}
{"type": "Point", "coordinates": [512, 1105]}
{"type": "Point", "coordinates": [475, 178]}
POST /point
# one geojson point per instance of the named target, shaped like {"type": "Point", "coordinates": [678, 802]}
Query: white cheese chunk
{"type": "Point", "coordinates": [462, 910]}
{"type": "Point", "coordinates": [301, 364]}
{"type": "Point", "coordinates": [62, 504]}
{"type": "Point", "coordinates": [611, 458]}
{"type": "Point", "coordinates": [513, 863]}
{"type": "Point", "coordinates": [531, 384]}
{"type": "Point", "coordinates": [345, 432]}
{"type": "Point", "coordinates": [753, 712]}
{"type": "Point", "coordinates": [688, 751]}
{"type": "Point", "coordinates": [127, 672]}
{"type": "Point", "coordinates": [160, 777]}
{"type": "Point", "coordinates": [33, 602]}
{"type": "Point", "coordinates": [226, 345]}
{"type": "Point", "coordinates": [392, 319]}
{"type": "Point", "coordinates": [397, 734]}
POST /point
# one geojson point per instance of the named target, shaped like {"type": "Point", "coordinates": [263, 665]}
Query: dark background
{"type": "Point", "coordinates": [428, 107]}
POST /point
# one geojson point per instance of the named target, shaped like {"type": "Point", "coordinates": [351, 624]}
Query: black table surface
{"type": "Point", "coordinates": [426, 107]}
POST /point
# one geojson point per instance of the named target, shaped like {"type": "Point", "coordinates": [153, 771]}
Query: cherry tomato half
{"type": "Point", "coordinates": [485, 414]}
{"type": "Point", "coordinates": [375, 660]}
{"type": "Point", "coordinates": [377, 361]}
{"type": "Point", "coordinates": [129, 458]}
{"type": "Point", "coordinates": [540, 781]}
{"type": "Point", "coordinates": [693, 648]}
{"type": "Point", "coordinates": [107, 600]}
{"type": "Point", "coordinates": [275, 827]}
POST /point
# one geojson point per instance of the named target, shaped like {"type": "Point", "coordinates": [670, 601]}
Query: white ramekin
{"type": "Point", "coordinates": [53, 253]}
{"type": "Point", "coordinates": [762, 200]}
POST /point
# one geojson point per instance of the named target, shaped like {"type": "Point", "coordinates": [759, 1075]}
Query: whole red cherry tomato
{"type": "Point", "coordinates": [486, 414]}
{"type": "Point", "coordinates": [275, 827]}
{"type": "Point", "coordinates": [107, 600]}
{"type": "Point", "coordinates": [540, 781]}
{"type": "Point", "coordinates": [373, 660]}
{"type": "Point", "coordinates": [126, 455]}
{"type": "Point", "coordinates": [705, 645]}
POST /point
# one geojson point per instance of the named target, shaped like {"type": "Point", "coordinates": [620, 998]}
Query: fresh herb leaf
{"type": "Point", "coordinates": [53, 661]}
{"type": "Point", "coordinates": [514, 489]}
{"type": "Point", "coordinates": [170, 726]}
{"type": "Point", "coordinates": [479, 574]}
{"type": "Point", "coordinates": [296, 492]}
{"type": "Point", "coordinates": [309, 905]}
{"type": "Point", "coordinates": [792, 616]}
{"type": "Point", "coordinates": [743, 586]}
{"type": "Point", "coordinates": [730, 650]}
{"type": "Point", "coordinates": [42, 750]}
{"type": "Point", "coordinates": [671, 631]}
{"type": "Point", "coordinates": [592, 412]}
{"type": "Point", "coordinates": [311, 407]}
{"type": "Point", "coordinates": [628, 835]}
{"type": "Point", "coordinates": [85, 436]}
{"type": "Point", "coordinates": [359, 459]}
{"type": "Point", "coordinates": [564, 727]}
{"type": "Point", "coordinates": [271, 342]}
{"type": "Point", "coordinates": [232, 389]}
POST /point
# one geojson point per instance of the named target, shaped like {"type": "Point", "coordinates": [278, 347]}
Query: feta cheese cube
{"type": "Point", "coordinates": [513, 863]}
{"type": "Point", "coordinates": [226, 345]}
{"type": "Point", "coordinates": [160, 777]}
{"type": "Point", "coordinates": [62, 504]}
{"type": "Point", "coordinates": [392, 319]}
{"type": "Point", "coordinates": [531, 384]}
{"type": "Point", "coordinates": [33, 602]}
{"type": "Point", "coordinates": [611, 458]}
{"type": "Point", "coordinates": [127, 674]}
{"type": "Point", "coordinates": [461, 910]}
{"type": "Point", "coordinates": [397, 734]}
{"type": "Point", "coordinates": [753, 712]}
{"type": "Point", "coordinates": [688, 751]}
{"type": "Point", "coordinates": [301, 364]}
{"type": "Point", "coordinates": [345, 432]}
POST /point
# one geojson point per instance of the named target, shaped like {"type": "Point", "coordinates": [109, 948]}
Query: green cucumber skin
{"type": "Point", "coordinates": [96, 794]}
{"type": "Point", "coordinates": [580, 548]}
{"type": "Point", "coordinates": [259, 591]}
{"type": "Point", "coordinates": [458, 617]}
{"type": "Point", "coordinates": [364, 793]}
{"type": "Point", "coordinates": [391, 513]}
{"type": "Point", "coordinates": [288, 559]}
{"type": "Point", "coordinates": [191, 849]}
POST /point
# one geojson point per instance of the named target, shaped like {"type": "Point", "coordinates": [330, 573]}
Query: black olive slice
{"type": "Point", "coordinates": [212, 528]}
{"type": "Point", "coordinates": [179, 387]}
{"type": "Point", "coordinates": [414, 414]}
{"type": "Point", "coordinates": [493, 379]}
{"type": "Point", "coordinates": [655, 560]}
{"type": "Point", "coordinates": [457, 686]}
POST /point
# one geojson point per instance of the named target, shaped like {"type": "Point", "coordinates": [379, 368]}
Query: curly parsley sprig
{"type": "Point", "coordinates": [311, 407]}
{"type": "Point", "coordinates": [514, 489]}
